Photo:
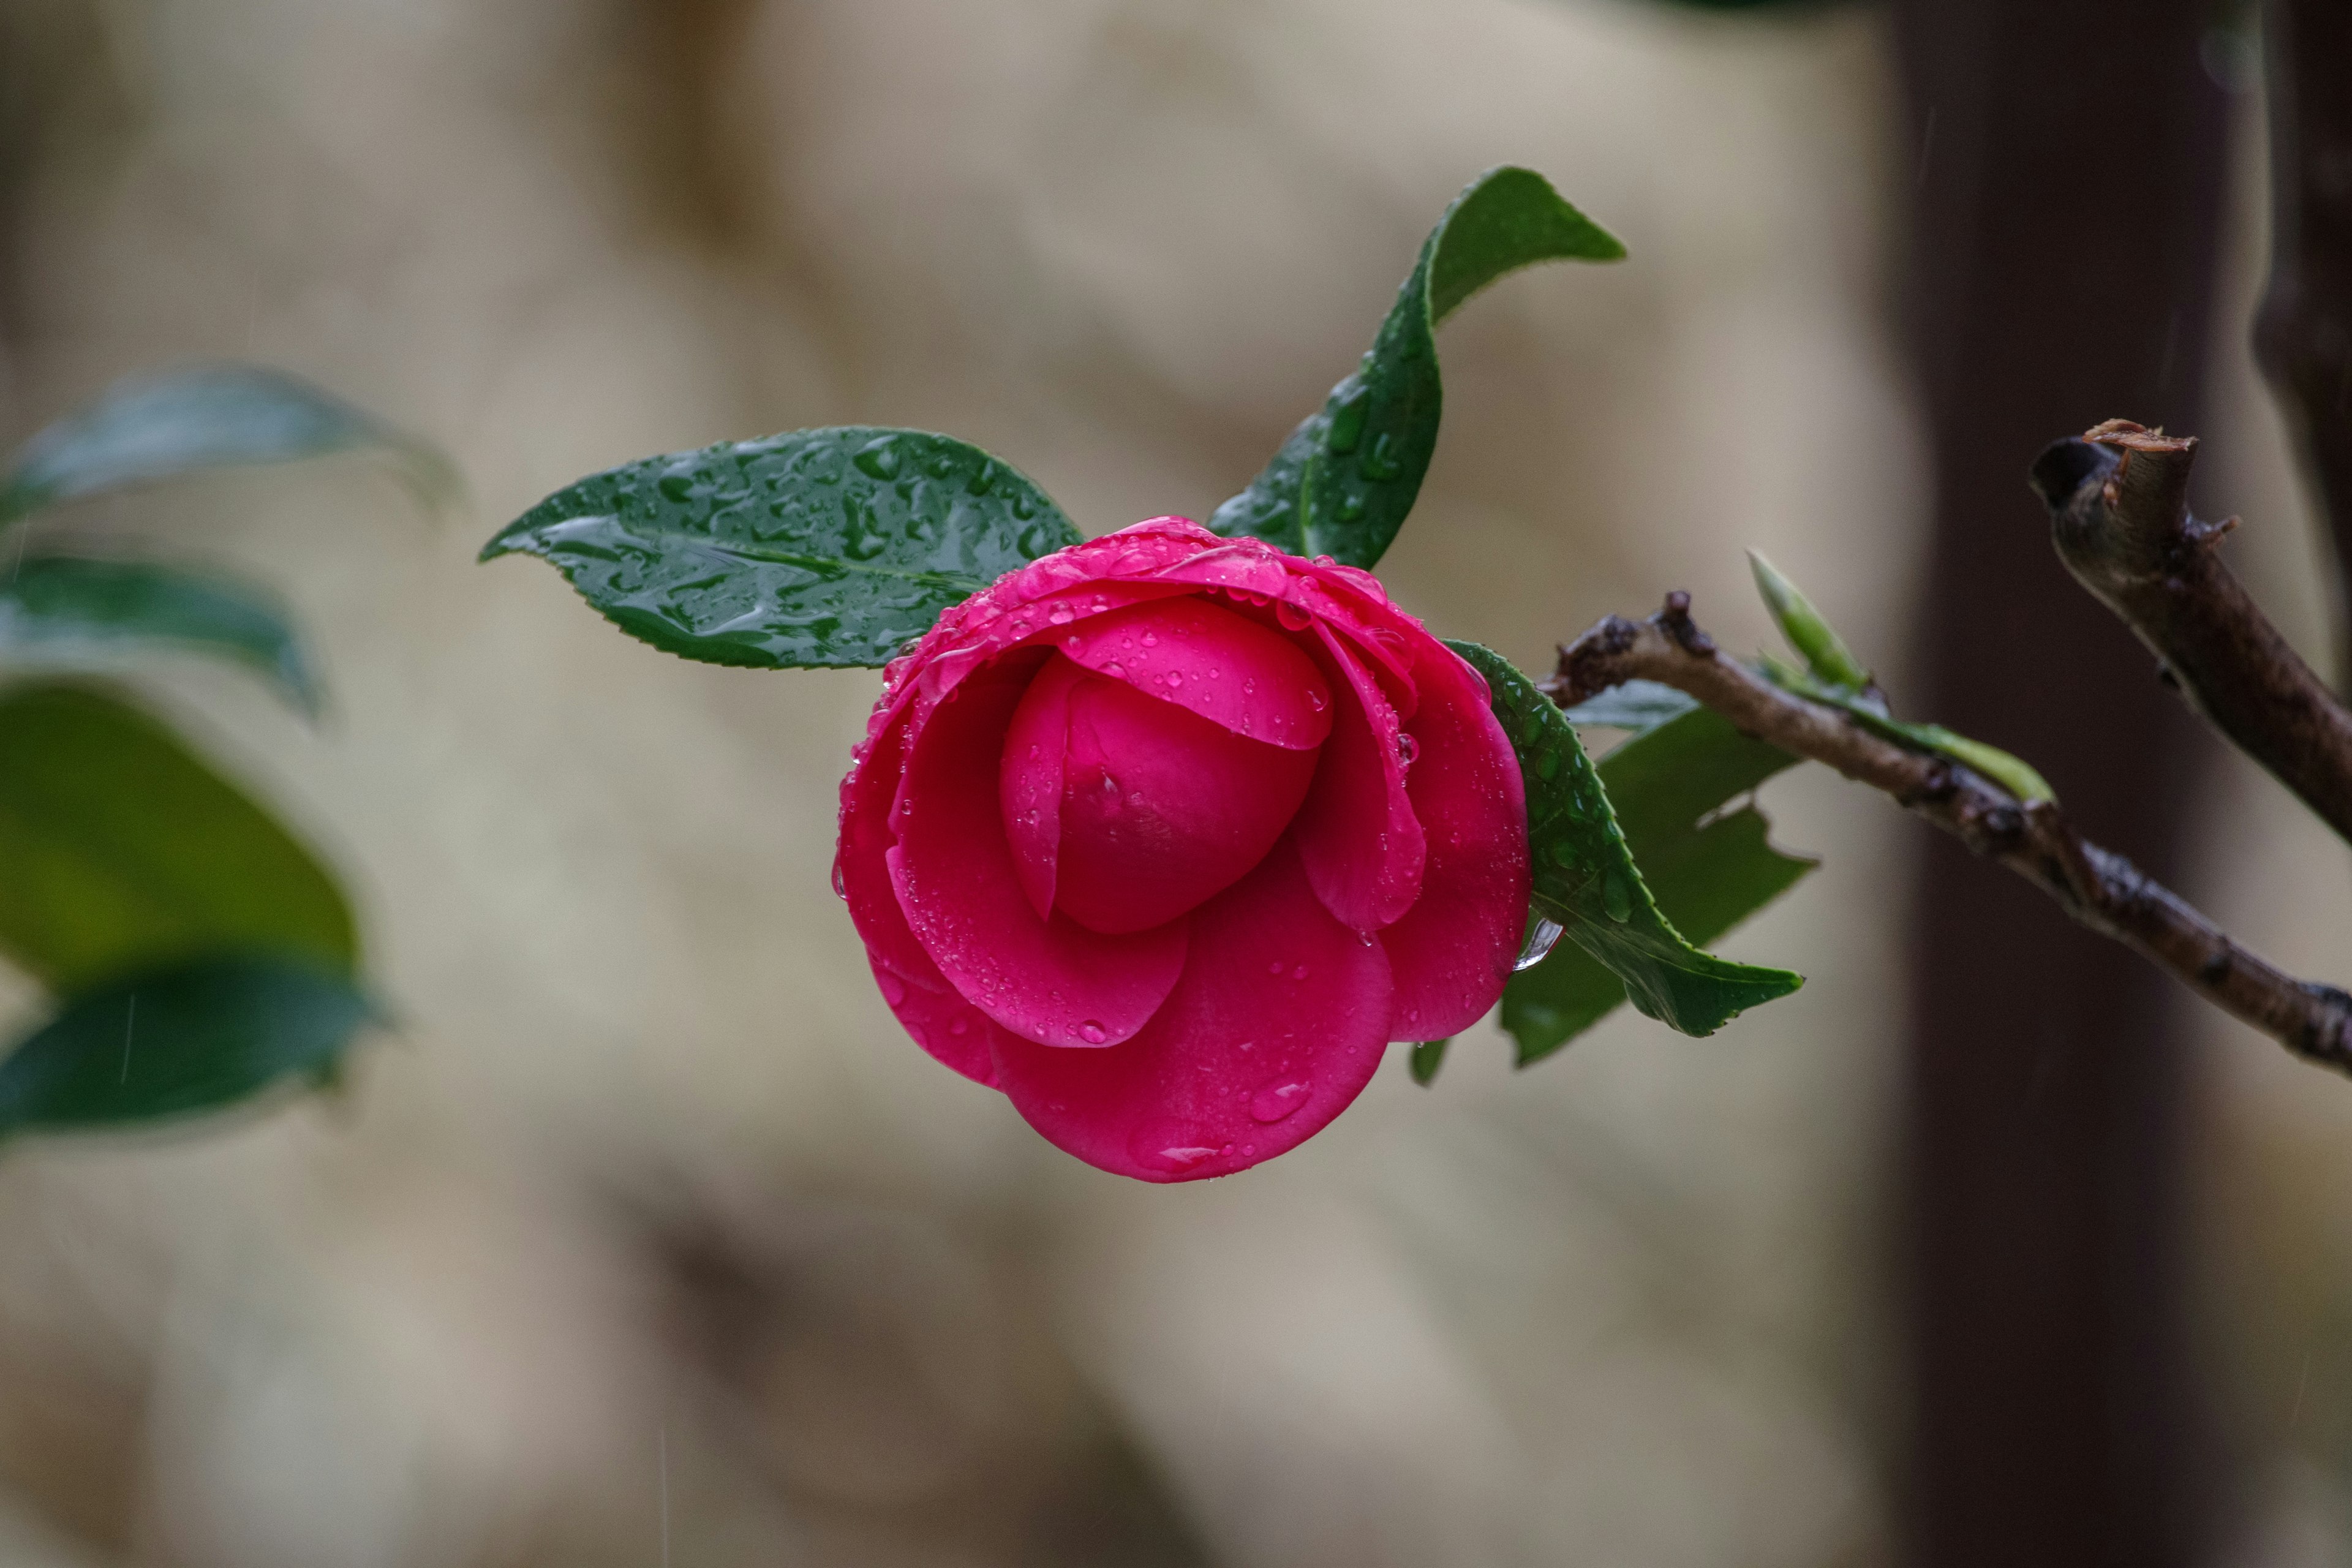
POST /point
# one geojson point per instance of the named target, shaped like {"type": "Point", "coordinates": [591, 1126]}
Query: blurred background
{"type": "Point", "coordinates": [649, 1238]}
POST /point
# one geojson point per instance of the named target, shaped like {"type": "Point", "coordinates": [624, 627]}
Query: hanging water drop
{"type": "Point", "coordinates": [1543, 935]}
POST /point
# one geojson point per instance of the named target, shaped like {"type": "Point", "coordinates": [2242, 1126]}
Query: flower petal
{"type": "Point", "coordinates": [931, 1010]}
{"type": "Point", "coordinates": [1453, 952]}
{"type": "Point", "coordinates": [952, 868]}
{"type": "Point", "coordinates": [1029, 780]}
{"type": "Point", "coordinates": [1362, 847]}
{"type": "Point", "coordinates": [1232, 671]}
{"type": "Point", "coordinates": [1162, 809]}
{"type": "Point", "coordinates": [1278, 1024]}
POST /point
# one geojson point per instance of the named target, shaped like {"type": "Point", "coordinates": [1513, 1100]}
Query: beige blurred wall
{"type": "Point", "coordinates": [650, 1237]}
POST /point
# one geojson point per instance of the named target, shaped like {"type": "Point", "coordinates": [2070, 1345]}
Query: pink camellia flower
{"type": "Point", "coordinates": [1167, 835]}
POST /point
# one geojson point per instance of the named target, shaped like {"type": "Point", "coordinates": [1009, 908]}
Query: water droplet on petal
{"type": "Point", "coordinates": [1408, 749]}
{"type": "Point", "coordinates": [1274, 1100]}
{"type": "Point", "coordinates": [894, 990]}
{"type": "Point", "coordinates": [1094, 1033]}
{"type": "Point", "coordinates": [1291, 616]}
{"type": "Point", "coordinates": [1299, 973]}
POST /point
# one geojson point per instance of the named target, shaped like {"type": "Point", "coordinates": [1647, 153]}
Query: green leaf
{"type": "Point", "coordinates": [1427, 1056]}
{"type": "Point", "coordinates": [1636, 705]}
{"type": "Point", "coordinates": [1585, 878]}
{"type": "Point", "coordinates": [1867, 708]}
{"type": "Point", "coordinates": [1813, 638]}
{"type": "Point", "coordinates": [122, 851]}
{"type": "Point", "coordinates": [153, 427]}
{"type": "Point", "coordinates": [1709, 868]}
{"type": "Point", "coordinates": [192, 1036]}
{"type": "Point", "coordinates": [1342, 483]}
{"type": "Point", "coordinates": [817, 547]}
{"type": "Point", "coordinates": [62, 609]}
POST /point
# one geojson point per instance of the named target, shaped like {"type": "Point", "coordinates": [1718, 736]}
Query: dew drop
{"type": "Point", "coordinates": [1408, 749]}
{"type": "Point", "coordinates": [1292, 618]}
{"type": "Point", "coordinates": [1094, 1033]}
{"type": "Point", "coordinates": [1616, 897]}
{"type": "Point", "coordinates": [879, 460]}
{"type": "Point", "coordinates": [1298, 973]}
{"type": "Point", "coordinates": [1280, 1098]}
{"type": "Point", "coordinates": [1150, 639]}
{"type": "Point", "coordinates": [1543, 935]}
{"type": "Point", "coordinates": [1061, 616]}
{"type": "Point", "coordinates": [840, 883]}
{"type": "Point", "coordinates": [894, 990]}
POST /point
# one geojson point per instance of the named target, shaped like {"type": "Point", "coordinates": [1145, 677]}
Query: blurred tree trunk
{"type": "Point", "coordinates": [2068, 180]}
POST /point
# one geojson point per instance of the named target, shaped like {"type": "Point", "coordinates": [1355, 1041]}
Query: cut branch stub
{"type": "Point", "coordinates": [2120, 520]}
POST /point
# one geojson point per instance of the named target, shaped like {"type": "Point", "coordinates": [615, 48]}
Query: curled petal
{"type": "Point", "coordinates": [1230, 671]}
{"type": "Point", "coordinates": [1453, 952]}
{"type": "Point", "coordinates": [912, 985]}
{"type": "Point", "coordinates": [1047, 980]}
{"type": "Point", "coordinates": [1029, 780]}
{"type": "Point", "coordinates": [1162, 809]}
{"type": "Point", "coordinates": [1362, 847]}
{"type": "Point", "coordinates": [1278, 1024]}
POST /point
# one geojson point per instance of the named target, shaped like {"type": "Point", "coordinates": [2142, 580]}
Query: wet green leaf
{"type": "Point", "coordinates": [815, 548]}
{"type": "Point", "coordinates": [1710, 864]}
{"type": "Point", "coordinates": [192, 1036]}
{"type": "Point", "coordinates": [1586, 879]}
{"type": "Point", "coordinates": [121, 850]}
{"type": "Point", "coordinates": [153, 427]}
{"type": "Point", "coordinates": [65, 610]}
{"type": "Point", "coordinates": [1343, 482]}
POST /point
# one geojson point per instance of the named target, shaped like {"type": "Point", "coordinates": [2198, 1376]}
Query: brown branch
{"type": "Point", "coordinates": [2102, 890]}
{"type": "Point", "coordinates": [2302, 335]}
{"type": "Point", "coordinates": [2119, 516]}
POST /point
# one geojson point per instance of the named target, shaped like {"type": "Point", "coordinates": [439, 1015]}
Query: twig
{"type": "Point", "coordinates": [2102, 890]}
{"type": "Point", "coordinates": [2119, 516]}
{"type": "Point", "coordinates": [2302, 335]}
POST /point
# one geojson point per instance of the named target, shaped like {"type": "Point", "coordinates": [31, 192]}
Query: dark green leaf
{"type": "Point", "coordinates": [196, 1036]}
{"type": "Point", "coordinates": [1428, 1056]}
{"type": "Point", "coordinates": [122, 851]}
{"type": "Point", "coordinates": [1342, 483]}
{"type": "Point", "coordinates": [1586, 879]}
{"type": "Point", "coordinates": [59, 609]}
{"type": "Point", "coordinates": [1664, 784]}
{"type": "Point", "coordinates": [206, 417]}
{"type": "Point", "coordinates": [815, 548]}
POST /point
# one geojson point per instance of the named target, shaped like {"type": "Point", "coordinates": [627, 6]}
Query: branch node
{"type": "Point", "coordinates": [1675, 620]}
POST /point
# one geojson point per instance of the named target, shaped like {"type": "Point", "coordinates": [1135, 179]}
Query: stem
{"type": "Point", "coordinates": [2119, 517]}
{"type": "Point", "coordinates": [2099, 888]}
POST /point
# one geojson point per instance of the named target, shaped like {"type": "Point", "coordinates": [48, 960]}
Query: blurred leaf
{"type": "Point", "coordinates": [1342, 483]}
{"type": "Point", "coordinates": [815, 548]}
{"type": "Point", "coordinates": [153, 427]}
{"type": "Point", "coordinates": [1427, 1056]}
{"type": "Point", "coordinates": [1636, 705]}
{"type": "Point", "coordinates": [1586, 879]}
{"type": "Point", "coordinates": [1813, 638]}
{"type": "Point", "coordinates": [122, 851]}
{"type": "Point", "coordinates": [64, 609]}
{"type": "Point", "coordinates": [195, 1035]}
{"type": "Point", "coordinates": [1708, 867]}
